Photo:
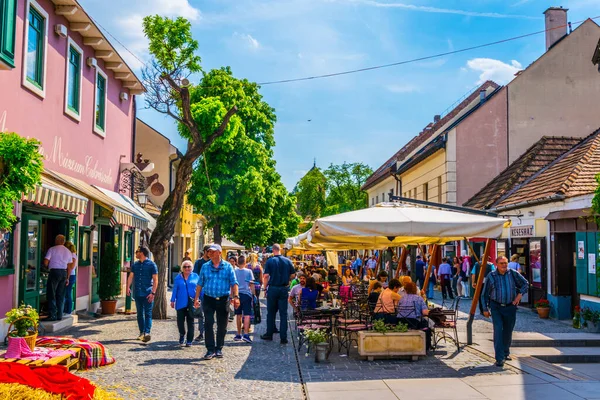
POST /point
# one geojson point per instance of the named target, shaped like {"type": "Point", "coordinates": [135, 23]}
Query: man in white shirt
{"type": "Point", "coordinates": [59, 260]}
{"type": "Point", "coordinates": [372, 262]}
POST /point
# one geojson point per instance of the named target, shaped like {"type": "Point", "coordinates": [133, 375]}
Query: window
{"type": "Point", "coordinates": [377, 199]}
{"type": "Point", "coordinates": [73, 84]}
{"type": "Point", "coordinates": [84, 246]}
{"type": "Point", "coordinates": [100, 104]}
{"type": "Point", "coordinates": [439, 189]}
{"type": "Point", "coordinates": [8, 25]}
{"type": "Point", "coordinates": [415, 193]}
{"type": "Point", "coordinates": [36, 42]}
{"type": "Point", "coordinates": [128, 246]}
{"type": "Point", "coordinates": [6, 266]}
{"type": "Point", "coordinates": [372, 201]}
{"type": "Point", "coordinates": [425, 191]}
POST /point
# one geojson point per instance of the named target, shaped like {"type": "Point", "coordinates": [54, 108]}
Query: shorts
{"type": "Point", "coordinates": [245, 307]}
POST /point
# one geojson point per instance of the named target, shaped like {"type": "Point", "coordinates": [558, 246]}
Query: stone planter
{"type": "Point", "coordinates": [321, 352]}
{"type": "Point", "coordinates": [543, 312]}
{"type": "Point", "coordinates": [593, 328]}
{"type": "Point", "coordinates": [372, 344]}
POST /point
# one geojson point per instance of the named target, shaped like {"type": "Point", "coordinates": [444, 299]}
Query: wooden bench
{"type": "Point", "coordinates": [68, 360]}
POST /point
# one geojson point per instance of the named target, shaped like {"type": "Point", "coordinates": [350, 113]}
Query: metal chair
{"type": "Point", "coordinates": [446, 329]}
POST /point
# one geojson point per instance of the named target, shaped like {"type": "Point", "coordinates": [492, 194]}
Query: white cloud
{"type": "Point", "coordinates": [173, 8]}
{"type": "Point", "coordinates": [436, 10]}
{"type": "Point", "coordinates": [402, 88]}
{"type": "Point", "coordinates": [248, 40]}
{"type": "Point", "coordinates": [494, 70]}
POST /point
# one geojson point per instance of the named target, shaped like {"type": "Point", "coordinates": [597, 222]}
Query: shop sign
{"type": "Point", "coordinates": [521, 231]}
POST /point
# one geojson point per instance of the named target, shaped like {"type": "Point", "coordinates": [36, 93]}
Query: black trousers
{"type": "Point", "coordinates": [184, 316]}
{"type": "Point", "coordinates": [446, 283]}
{"type": "Point", "coordinates": [55, 292]}
{"type": "Point", "coordinates": [212, 306]}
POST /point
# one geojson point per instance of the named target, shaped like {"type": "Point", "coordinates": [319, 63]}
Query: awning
{"type": "Point", "coordinates": [122, 214]}
{"type": "Point", "coordinates": [568, 214]}
{"type": "Point", "coordinates": [51, 193]}
{"type": "Point", "coordinates": [227, 244]}
{"type": "Point", "coordinates": [136, 213]}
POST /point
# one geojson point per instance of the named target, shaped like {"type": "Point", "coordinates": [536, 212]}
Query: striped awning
{"type": "Point", "coordinates": [54, 195]}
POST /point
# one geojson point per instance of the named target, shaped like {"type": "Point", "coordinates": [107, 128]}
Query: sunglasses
{"type": "Point", "coordinates": [187, 266]}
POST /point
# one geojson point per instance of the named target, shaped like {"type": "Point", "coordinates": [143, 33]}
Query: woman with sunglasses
{"type": "Point", "coordinates": [182, 300]}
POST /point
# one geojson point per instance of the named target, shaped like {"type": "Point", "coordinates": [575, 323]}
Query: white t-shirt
{"type": "Point", "coordinates": [75, 262]}
{"type": "Point", "coordinates": [296, 291]}
{"type": "Point", "coordinates": [58, 256]}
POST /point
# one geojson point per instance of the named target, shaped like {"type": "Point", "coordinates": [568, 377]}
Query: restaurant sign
{"type": "Point", "coordinates": [521, 231]}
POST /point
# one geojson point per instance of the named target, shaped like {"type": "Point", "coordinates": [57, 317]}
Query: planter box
{"type": "Point", "coordinates": [372, 344]}
{"type": "Point", "coordinates": [593, 328]}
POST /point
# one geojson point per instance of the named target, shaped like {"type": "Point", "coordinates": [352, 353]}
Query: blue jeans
{"type": "Point", "coordinates": [144, 314]}
{"type": "Point", "coordinates": [55, 292]}
{"type": "Point", "coordinates": [277, 299]}
{"type": "Point", "coordinates": [503, 319]}
{"type": "Point", "coordinates": [430, 290]}
{"type": "Point", "coordinates": [69, 295]}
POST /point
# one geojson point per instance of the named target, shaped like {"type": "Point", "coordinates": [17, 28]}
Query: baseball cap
{"type": "Point", "coordinates": [215, 246]}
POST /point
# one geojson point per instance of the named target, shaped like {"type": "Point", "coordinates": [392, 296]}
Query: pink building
{"type": "Point", "coordinates": [65, 85]}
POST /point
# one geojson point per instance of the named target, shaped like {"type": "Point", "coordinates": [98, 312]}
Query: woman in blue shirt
{"type": "Point", "coordinates": [307, 298]}
{"type": "Point", "coordinates": [184, 288]}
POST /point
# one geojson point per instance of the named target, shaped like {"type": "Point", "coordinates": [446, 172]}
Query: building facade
{"type": "Point", "coordinates": [64, 85]}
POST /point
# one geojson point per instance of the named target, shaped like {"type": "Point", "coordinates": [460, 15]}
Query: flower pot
{"type": "Point", "coordinates": [543, 312]}
{"type": "Point", "coordinates": [320, 352]}
{"type": "Point", "coordinates": [109, 307]}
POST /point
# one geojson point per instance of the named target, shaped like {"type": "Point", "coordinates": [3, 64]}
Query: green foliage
{"type": "Point", "coordinates": [23, 326]}
{"type": "Point", "coordinates": [589, 315]}
{"type": "Point", "coordinates": [311, 192]}
{"type": "Point", "coordinates": [335, 191]}
{"type": "Point", "coordinates": [171, 44]}
{"type": "Point", "coordinates": [596, 202]}
{"type": "Point", "coordinates": [380, 326]}
{"type": "Point", "coordinates": [343, 183]}
{"type": "Point", "coordinates": [21, 166]}
{"type": "Point", "coordinates": [110, 282]}
{"type": "Point", "coordinates": [315, 336]}
{"type": "Point", "coordinates": [235, 184]}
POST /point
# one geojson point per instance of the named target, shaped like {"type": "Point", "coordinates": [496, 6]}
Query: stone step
{"type": "Point", "coordinates": [556, 342]}
{"type": "Point", "coordinates": [55, 326]}
{"type": "Point", "coordinates": [535, 366]}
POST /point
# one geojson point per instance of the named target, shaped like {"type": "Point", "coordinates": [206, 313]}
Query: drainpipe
{"type": "Point", "coordinates": [133, 127]}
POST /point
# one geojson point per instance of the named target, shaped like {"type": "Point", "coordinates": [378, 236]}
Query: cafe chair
{"type": "Point", "coordinates": [445, 329]}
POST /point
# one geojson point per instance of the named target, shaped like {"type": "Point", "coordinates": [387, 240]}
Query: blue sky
{"type": "Point", "coordinates": [362, 117]}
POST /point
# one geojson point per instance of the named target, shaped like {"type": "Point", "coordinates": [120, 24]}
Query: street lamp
{"type": "Point", "coordinates": [142, 199]}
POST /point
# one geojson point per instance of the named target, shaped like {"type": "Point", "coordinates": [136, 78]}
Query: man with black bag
{"type": "Point", "coordinates": [278, 272]}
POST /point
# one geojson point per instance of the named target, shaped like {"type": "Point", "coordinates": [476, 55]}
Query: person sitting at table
{"type": "Point", "coordinates": [307, 297]}
{"type": "Point", "coordinates": [404, 280]}
{"type": "Point", "coordinates": [385, 308]}
{"type": "Point", "coordinates": [374, 295]}
{"type": "Point", "coordinates": [381, 278]}
{"type": "Point", "coordinates": [411, 310]}
{"type": "Point", "coordinates": [332, 275]}
{"type": "Point", "coordinates": [346, 288]}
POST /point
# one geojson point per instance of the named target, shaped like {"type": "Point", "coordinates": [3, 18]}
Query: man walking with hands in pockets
{"type": "Point", "coordinates": [278, 272]}
{"type": "Point", "coordinates": [502, 293]}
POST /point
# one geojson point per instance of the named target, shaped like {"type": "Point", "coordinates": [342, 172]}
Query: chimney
{"type": "Point", "coordinates": [482, 94]}
{"type": "Point", "coordinates": [556, 25]}
{"type": "Point", "coordinates": [436, 118]}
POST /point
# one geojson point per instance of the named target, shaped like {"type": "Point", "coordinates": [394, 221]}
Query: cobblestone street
{"type": "Point", "coordinates": [161, 369]}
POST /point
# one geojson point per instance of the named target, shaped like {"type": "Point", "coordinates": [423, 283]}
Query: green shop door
{"type": "Point", "coordinates": [31, 260]}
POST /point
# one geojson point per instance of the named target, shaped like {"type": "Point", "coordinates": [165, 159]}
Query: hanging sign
{"type": "Point", "coordinates": [521, 231]}
{"type": "Point", "coordinates": [591, 263]}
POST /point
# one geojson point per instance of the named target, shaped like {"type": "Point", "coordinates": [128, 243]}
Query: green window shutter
{"type": "Point", "coordinates": [35, 48]}
{"type": "Point", "coordinates": [8, 25]}
{"type": "Point", "coordinates": [74, 79]}
{"type": "Point", "coordinates": [100, 101]}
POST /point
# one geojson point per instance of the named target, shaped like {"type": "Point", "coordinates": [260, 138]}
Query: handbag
{"type": "Point", "coordinates": [193, 311]}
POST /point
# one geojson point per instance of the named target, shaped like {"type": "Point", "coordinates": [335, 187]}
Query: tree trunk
{"type": "Point", "coordinates": [161, 257]}
{"type": "Point", "coordinates": [217, 233]}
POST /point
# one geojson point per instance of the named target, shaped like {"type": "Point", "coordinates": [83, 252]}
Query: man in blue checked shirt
{"type": "Point", "coordinates": [502, 293]}
{"type": "Point", "coordinates": [218, 281]}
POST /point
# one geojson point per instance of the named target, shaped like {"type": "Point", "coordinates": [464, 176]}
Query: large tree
{"type": "Point", "coordinates": [202, 120]}
{"type": "Point", "coordinates": [235, 184]}
{"type": "Point", "coordinates": [310, 192]}
{"type": "Point", "coordinates": [344, 184]}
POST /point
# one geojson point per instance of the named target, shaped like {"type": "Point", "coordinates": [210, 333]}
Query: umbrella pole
{"type": "Point", "coordinates": [402, 260]}
{"type": "Point", "coordinates": [482, 269]}
{"type": "Point", "coordinates": [471, 248]}
{"type": "Point", "coordinates": [429, 266]}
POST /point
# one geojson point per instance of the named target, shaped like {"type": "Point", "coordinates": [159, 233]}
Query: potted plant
{"type": "Point", "coordinates": [318, 339]}
{"type": "Point", "coordinates": [24, 320]}
{"type": "Point", "coordinates": [591, 320]}
{"type": "Point", "coordinates": [577, 318]}
{"type": "Point", "coordinates": [110, 284]}
{"type": "Point", "coordinates": [391, 341]}
{"type": "Point", "coordinates": [543, 308]}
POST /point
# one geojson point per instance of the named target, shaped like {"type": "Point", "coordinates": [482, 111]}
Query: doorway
{"type": "Point", "coordinates": [100, 237]}
{"type": "Point", "coordinates": [565, 278]}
